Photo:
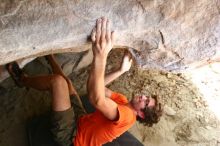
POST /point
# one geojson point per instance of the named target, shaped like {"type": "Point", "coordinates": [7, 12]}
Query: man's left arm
{"type": "Point", "coordinates": [125, 66]}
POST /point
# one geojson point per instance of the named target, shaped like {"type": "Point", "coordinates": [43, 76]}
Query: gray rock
{"type": "Point", "coordinates": [85, 60]}
{"type": "Point", "coordinates": [168, 35]}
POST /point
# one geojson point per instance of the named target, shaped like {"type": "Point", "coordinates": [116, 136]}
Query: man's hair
{"type": "Point", "coordinates": [152, 114]}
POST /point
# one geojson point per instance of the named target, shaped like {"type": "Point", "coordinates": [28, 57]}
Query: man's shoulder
{"type": "Point", "coordinates": [126, 115]}
{"type": "Point", "coordinates": [119, 98]}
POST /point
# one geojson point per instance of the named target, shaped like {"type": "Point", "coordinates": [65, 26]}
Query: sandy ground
{"type": "Point", "coordinates": [187, 119]}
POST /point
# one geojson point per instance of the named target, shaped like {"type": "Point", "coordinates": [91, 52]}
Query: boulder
{"type": "Point", "coordinates": [165, 35]}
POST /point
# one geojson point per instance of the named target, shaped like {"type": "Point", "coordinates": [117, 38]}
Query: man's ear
{"type": "Point", "coordinates": [141, 114]}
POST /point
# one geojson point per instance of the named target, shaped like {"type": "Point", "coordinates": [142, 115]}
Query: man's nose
{"type": "Point", "coordinates": [143, 97]}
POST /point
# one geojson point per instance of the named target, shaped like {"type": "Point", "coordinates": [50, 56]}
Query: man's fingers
{"type": "Point", "coordinates": [104, 21]}
{"type": "Point", "coordinates": [102, 36]}
{"type": "Point", "coordinates": [93, 35]}
{"type": "Point", "coordinates": [98, 30]}
{"type": "Point", "coordinates": [113, 37]}
{"type": "Point", "coordinates": [128, 54]}
{"type": "Point", "coordinates": [108, 31]}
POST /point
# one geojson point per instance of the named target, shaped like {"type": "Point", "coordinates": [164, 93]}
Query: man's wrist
{"type": "Point", "coordinates": [100, 56]}
{"type": "Point", "coordinates": [100, 60]}
{"type": "Point", "coordinates": [121, 70]}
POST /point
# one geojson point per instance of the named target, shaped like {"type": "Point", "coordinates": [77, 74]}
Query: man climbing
{"type": "Point", "coordinates": [114, 114]}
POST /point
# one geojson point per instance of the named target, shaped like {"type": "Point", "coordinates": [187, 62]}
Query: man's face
{"type": "Point", "coordinates": [139, 102]}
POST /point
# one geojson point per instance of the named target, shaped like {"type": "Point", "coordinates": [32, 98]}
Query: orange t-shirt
{"type": "Point", "coordinates": [94, 129]}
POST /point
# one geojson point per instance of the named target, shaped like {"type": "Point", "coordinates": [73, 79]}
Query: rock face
{"type": "Point", "coordinates": [167, 35]}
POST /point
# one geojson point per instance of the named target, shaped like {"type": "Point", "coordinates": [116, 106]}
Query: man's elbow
{"type": "Point", "coordinates": [96, 102]}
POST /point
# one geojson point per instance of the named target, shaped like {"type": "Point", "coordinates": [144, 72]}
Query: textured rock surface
{"type": "Point", "coordinates": [170, 35]}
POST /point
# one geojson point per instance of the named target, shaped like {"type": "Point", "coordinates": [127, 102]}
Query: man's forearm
{"type": "Point", "coordinates": [112, 76]}
{"type": "Point", "coordinates": [95, 86]}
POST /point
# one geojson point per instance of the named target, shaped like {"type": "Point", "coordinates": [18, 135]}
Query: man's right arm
{"type": "Point", "coordinates": [102, 39]}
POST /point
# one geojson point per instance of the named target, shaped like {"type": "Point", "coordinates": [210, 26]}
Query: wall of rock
{"type": "Point", "coordinates": [166, 35]}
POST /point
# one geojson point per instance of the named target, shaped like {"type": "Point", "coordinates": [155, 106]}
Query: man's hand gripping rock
{"type": "Point", "coordinates": [102, 38]}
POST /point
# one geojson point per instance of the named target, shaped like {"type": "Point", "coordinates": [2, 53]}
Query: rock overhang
{"type": "Point", "coordinates": [166, 35]}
